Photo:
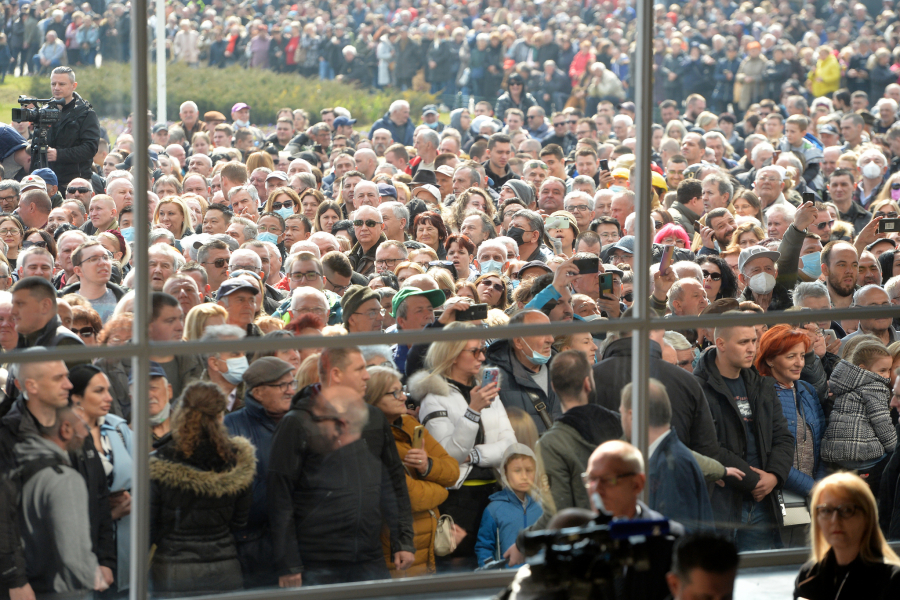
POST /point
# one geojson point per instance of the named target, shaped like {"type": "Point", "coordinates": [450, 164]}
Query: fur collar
{"type": "Point", "coordinates": [208, 483]}
{"type": "Point", "coordinates": [425, 382]}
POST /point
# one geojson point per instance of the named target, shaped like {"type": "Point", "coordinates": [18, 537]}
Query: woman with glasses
{"type": "Point", "coordinates": [516, 96]}
{"type": "Point", "coordinates": [41, 239]}
{"type": "Point", "coordinates": [86, 324]}
{"type": "Point", "coordinates": [782, 356]}
{"type": "Point", "coordinates": [429, 229]}
{"type": "Point", "coordinates": [13, 235]}
{"type": "Point", "coordinates": [283, 201]}
{"type": "Point", "coordinates": [672, 234]}
{"type": "Point", "coordinates": [493, 290]}
{"type": "Point", "coordinates": [112, 440]}
{"type": "Point", "coordinates": [430, 470]}
{"type": "Point", "coordinates": [718, 278]}
{"type": "Point", "coordinates": [461, 251]}
{"type": "Point", "coordinates": [201, 490]}
{"type": "Point", "coordinates": [327, 215]}
{"type": "Point", "coordinates": [469, 421]}
{"type": "Point", "coordinates": [849, 557]}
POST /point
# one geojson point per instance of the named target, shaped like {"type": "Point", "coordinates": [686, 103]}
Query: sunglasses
{"type": "Point", "coordinates": [86, 332]}
{"type": "Point", "coordinates": [280, 205]}
{"type": "Point", "coordinates": [77, 190]}
{"type": "Point", "coordinates": [629, 297]}
{"type": "Point", "coordinates": [496, 286]}
{"type": "Point", "coordinates": [888, 215]}
{"type": "Point", "coordinates": [713, 276]}
{"type": "Point", "coordinates": [41, 244]}
{"type": "Point", "coordinates": [367, 223]}
{"type": "Point", "coordinates": [821, 226]}
{"type": "Point", "coordinates": [219, 263]}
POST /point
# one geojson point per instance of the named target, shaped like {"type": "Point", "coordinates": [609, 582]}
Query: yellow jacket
{"type": "Point", "coordinates": [826, 77]}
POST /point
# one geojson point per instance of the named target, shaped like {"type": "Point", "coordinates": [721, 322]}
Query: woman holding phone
{"type": "Point", "coordinates": [429, 469]}
{"type": "Point", "coordinates": [469, 421]}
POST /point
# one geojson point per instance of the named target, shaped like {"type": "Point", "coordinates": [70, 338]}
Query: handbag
{"type": "Point", "coordinates": [794, 510]}
{"type": "Point", "coordinates": [444, 540]}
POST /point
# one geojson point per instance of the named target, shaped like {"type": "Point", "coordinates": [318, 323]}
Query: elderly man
{"type": "Point", "coordinates": [366, 194]}
{"type": "Point", "coordinates": [621, 206]}
{"type": "Point", "coordinates": [687, 298]}
{"type": "Point", "coordinates": [239, 297]}
{"type": "Point", "coordinates": [552, 195]}
{"type": "Point", "coordinates": [873, 295]}
{"type": "Point", "coordinates": [769, 186]}
{"type": "Point", "coordinates": [225, 369]}
{"type": "Point", "coordinates": [244, 202]}
{"type": "Point", "coordinates": [368, 225]}
{"type": "Point", "coordinates": [413, 308]}
{"type": "Point", "coordinates": [524, 381]}
{"type": "Point", "coordinates": [269, 387]}
{"type": "Point", "coordinates": [581, 206]}
{"type": "Point", "coordinates": [395, 217]}
{"type": "Point", "coordinates": [873, 167]}
{"type": "Point", "coordinates": [426, 146]}
{"type": "Point", "coordinates": [122, 191]}
{"type": "Point", "coordinates": [362, 311]}
{"type": "Point", "coordinates": [163, 262]}
{"type": "Point", "coordinates": [50, 54]}
{"type": "Point", "coordinates": [34, 209]}
{"type": "Point", "coordinates": [396, 121]}
{"type": "Point", "coordinates": [214, 256]}
{"type": "Point", "coordinates": [477, 226]}
{"type": "Point", "coordinates": [310, 301]}
{"type": "Point", "coordinates": [388, 255]}
{"type": "Point", "coordinates": [250, 260]}
{"type": "Point", "coordinates": [184, 288]}
{"type": "Point", "coordinates": [79, 189]}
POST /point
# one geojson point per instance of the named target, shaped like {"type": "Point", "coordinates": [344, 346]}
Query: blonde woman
{"type": "Point", "coordinates": [200, 317]}
{"type": "Point", "coordinates": [849, 556]}
{"type": "Point", "coordinates": [472, 198]}
{"type": "Point", "coordinates": [173, 214]}
{"type": "Point", "coordinates": [429, 468]}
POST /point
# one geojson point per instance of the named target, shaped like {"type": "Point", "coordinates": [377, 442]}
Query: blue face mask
{"type": "Point", "coordinates": [432, 125]}
{"type": "Point", "coordinates": [127, 233]}
{"type": "Point", "coordinates": [267, 237]}
{"type": "Point", "coordinates": [812, 264]}
{"type": "Point", "coordinates": [285, 212]}
{"type": "Point", "coordinates": [236, 368]}
{"type": "Point", "coordinates": [537, 359]}
{"type": "Point", "coordinates": [616, 188]}
{"type": "Point", "coordinates": [491, 266]}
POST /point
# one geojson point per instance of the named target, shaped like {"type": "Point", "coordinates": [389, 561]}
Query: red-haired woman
{"type": "Point", "coordinates": [781, 356]}
{"type": "Point", "coordinates": [461, 251]}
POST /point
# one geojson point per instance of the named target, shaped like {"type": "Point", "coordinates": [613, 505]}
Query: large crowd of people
{"type": "Point", "coordinates": [775, 183]}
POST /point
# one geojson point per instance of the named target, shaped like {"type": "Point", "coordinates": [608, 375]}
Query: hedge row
{"type": "Point", "coordinates": [109, 90]}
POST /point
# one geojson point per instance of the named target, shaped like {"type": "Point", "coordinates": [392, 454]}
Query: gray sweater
{"type": "Point", "coordinates": [55, 516]}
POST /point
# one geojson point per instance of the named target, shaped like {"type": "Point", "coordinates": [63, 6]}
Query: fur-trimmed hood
{"type": "Point", "coordinates": [425, 382]}
{"type": "Point", "coordinates": [208, 483]}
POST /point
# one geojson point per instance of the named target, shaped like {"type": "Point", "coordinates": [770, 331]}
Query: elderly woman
{"type": "Point", "coordinates": [469, 421]}
{"type": "Point", "coordinates": [672, 234]}
{"type": "Point", "coordinates": [429, 229]}
{"type": "Point", "coordinates": [848, 550]}
{"type": "Point", "coordinates": [429, 469]}
{"type": "Point", "coordinates": [200, 492]}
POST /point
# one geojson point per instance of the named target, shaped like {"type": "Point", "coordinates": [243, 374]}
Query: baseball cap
{"type": "Point", "coordinates": [626, 244]}
{"type": "Point", "coordinates": [33, 182]}
{"type": "Point", "coordinates": [155, 371]}
{"type": "Point", "coordinates": [754, 252]}
{"type": "Point", "coordinates": [230, 286]}
{"type": "Point", "coordinates": [277, 175]}
{"type": "Point", "coordinates": [429, 109]}
{"type": "Point", "coordinates": [827, 128]}
{"type": "Point", "coordinates": [535, 263]}
{"type": "Point", "coordinates": [431, 190]}
{"type": "Point", "coordinates": [445, 170]}
{"type": "Point", "coordinates": [47, 175]}
{"type": "Point", "coordinates": [385, 189]}
{"type": "Point", "coordinates": [265, 370]}
{"type": "Point", "coordinates": [343, 122]}
{"type": "Point", "coordinates": [436, 297]}
{"type": "Point", "coordinates": [159, 127]}
{"type": "Point", "coordinates": [239, 106]}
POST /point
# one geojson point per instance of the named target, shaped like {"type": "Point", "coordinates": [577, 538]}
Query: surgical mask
{"type": "Point", "coordinates": [537, 359]}
{"type": "Point", "coordinates": [161, 417]}
{"type": "Point", "coordinates": [285, 212]}
{"type": "Point", "coordinates": [516, 234]}
{"type": "Point", "coordinates": [491, 266]}
{"type": "Point", "coordinates": [617, 188]}
{"type": "Point", "coordinates": [871, 170]}
{"type": "Point", "coordinates": [592, 317]}
{"type": "Point", "coordinates": [127, 233]}
{"type": "Point", "coordinates": [812, 264]}
{"type": "Point", "coordinates": [267, 237]}
{"type": "Point", "coordinates": [432, 125]}
{"type": "Point", "coordinates": [241, 124]}
{"type": "Point", "coordinates": [762, 283]}
{"type": "Point", "coordinates": [236, 368]}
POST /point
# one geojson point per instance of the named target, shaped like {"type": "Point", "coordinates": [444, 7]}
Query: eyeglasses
{"type": "Point", "coordinates": [713, 276]}
{"type": "Point", "coordinates": [375, 313]}
{"type": "Point", "coordinates": [367, 223]}
{"type": "Point", "coordinates": [271, 229]}
{"type": "Point", "coordinates": [823, 225]}
{"type": "Point", "coordinates": [387, 262]}
{"type": "Point", "coordinates": [338, 289]}
{"type": "Point", "coordinates": [287, 386]}
{"type": "Point", "coordinates": [95, 259]}
{"type": "Point", "coordinates": [41, 244]}
{"type": "Point", "coordinates": [563, 124]}
{"type": "Point", "coordinates": [77, 190]}
{"type": "Point", "coordinates": [476, 351]}
{"type": "Point", "coordinates": [397, 394]}
{"type": "Point", "coordinates": [844, 511]}
{"type": "Point", "coordinates": [307, 275]}
{"type": "Point", "coordinates": [280, 205]}
{"type": "Point", "coordinates": [604, 481]}
{"type": "Point", "coordinates": [512, 83]}
{"type": "Point", "coordinates": [773, 179]}
{"type": "Point", "coordinates": [497, 286]}
{"type": "Point", "coordinates": [8, 231]}
{"type": "Point", "coordinates": [887, 215]}
{"type": "Point", "coordinates": [219, 263]}
{"type": "Point", "coordinates": [578, 208]}
{"type": "Point", "coordinates": [86, 332]}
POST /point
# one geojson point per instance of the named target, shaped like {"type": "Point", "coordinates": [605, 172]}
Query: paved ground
{"type": "Point", "coordinates": [771, 583]}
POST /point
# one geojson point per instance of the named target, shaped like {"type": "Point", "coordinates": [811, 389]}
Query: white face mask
{"type": "Point", "coordinates": [871, 170]}
{"type": "Point", "coordinates": [762, 283]}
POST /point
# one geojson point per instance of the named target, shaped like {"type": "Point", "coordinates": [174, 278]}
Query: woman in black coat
{"type": "Point", "coordinates": [200, 485]}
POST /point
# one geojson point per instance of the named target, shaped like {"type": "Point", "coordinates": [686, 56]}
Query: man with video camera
{"type": "Point", "coordinates": [73, 140]}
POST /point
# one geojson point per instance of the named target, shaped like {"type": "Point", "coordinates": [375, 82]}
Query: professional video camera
{"type": "Point", "coordinates": [581, 563]}
{"type": "Point", "coordinates": [43, 117]}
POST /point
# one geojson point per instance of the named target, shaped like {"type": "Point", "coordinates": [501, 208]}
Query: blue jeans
{"type": "Point", "coordinates": [758, 529]}
{"type": "Point", "coordinates": [325, 70]}
{"type": "Point", "coordinates": [36, 60]}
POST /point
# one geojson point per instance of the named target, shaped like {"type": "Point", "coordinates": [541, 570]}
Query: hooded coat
{"type": "Point", "coordinates": [506, 515]}
{"type": "Point", "coordinates": [455, 122]}
{"type": "Point", "coordinates": [401, 134]}
{"type": "Point", "coordinates": [426, 493]}
{"type": "Point", "coordinates": [522, 190]}
{"type": "Point", "coordinates": [11, 142]}
{"type": "Point", "coordinates": [196, 503]}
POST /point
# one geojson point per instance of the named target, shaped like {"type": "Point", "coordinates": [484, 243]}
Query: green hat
{"type": "Point", "coordinates": [436, 297]}
{"type": "Point", "coordinates": [354, 297]}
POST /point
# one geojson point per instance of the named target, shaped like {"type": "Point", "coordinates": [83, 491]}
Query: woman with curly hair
{"type": "Point", "coordinates": [472, 198]}
{"type": "Point", "coordinates": [746, 235]}
{"type": "Point", "coordinates": [200, 492]}
{"type": "Point", "coordinates": [718, 278]}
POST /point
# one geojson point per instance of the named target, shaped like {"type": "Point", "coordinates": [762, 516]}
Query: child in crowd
{"type": "Point", "coordinates": [860, 433]}
{"type": "Point", "coordinates": [513, 508]}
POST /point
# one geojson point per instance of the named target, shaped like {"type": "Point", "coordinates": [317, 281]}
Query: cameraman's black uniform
{"type": "Point", "coordinates": [75, 136]}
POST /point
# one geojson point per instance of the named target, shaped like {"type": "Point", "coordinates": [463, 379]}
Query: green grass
{"type": "Point", "coordinates": [10, 90]}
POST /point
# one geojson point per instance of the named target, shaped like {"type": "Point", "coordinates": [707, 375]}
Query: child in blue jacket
{"type": "Point", "coordinates": [513, 508]}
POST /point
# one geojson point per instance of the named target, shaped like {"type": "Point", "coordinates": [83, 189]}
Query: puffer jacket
{"type": "Point", "coordinates": [797, 481]}
{"type": "Point", "coordinates": [75, 136]}
{"type": "Point", "coordinates": [446, 415]}
{"type": "Point", "coordinates": [860, 426]}
{"type": "Point", "coordinates": [518, 388]}
{"type": "Point", "coordinates": [426, 493]}
{"type": "Point", "coordinates": [195, 505]}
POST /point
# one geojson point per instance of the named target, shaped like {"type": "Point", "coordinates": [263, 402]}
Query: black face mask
{"type": "Point", "coordinates": [516, 234]}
